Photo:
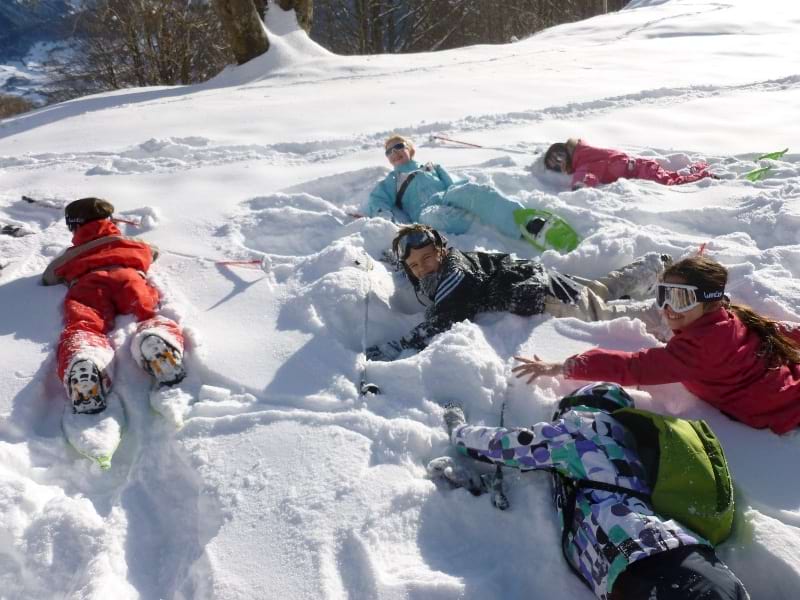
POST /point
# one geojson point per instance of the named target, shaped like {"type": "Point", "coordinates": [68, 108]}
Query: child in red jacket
{"type": "Point", "coordinates": [726, 354]}
{"type": "Point", "coordinates": [106, 276]}
{"type": "Point", "coordinates": [590, 166]}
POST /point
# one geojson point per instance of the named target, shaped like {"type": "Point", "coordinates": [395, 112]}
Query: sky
{"type": "Point", "coordinates": [265, 474]}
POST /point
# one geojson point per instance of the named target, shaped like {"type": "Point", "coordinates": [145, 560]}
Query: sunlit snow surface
{"type": "Point", "coordinates": [282, 482]}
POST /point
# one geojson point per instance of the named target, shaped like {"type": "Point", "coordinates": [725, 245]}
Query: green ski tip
{"type": "Point", "coordinates": [104, 462]}
{"type": "Point", "coordinates": [773, 155]}
{"type": "Point", "coordinates": [555, 233]}
{"type": "Point", "coordinates": [757, 174]}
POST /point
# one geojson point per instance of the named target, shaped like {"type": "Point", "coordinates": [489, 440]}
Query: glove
{"type": "Point", "coordinates": [445, 467]}
{"type": "Point", "coordinates": [385, 352]}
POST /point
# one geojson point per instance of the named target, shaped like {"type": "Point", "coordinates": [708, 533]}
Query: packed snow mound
{"type": "Point", "coordinates": [271, 477]}
{"type": "Point", "coordinates": [290, 52]}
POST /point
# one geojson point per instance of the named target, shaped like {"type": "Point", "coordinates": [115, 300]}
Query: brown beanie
{"type": "Point", "coordinates": [85, 210]}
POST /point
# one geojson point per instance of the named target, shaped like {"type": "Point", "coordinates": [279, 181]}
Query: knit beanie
{"type": "Point", "coordinates": [85, 210]}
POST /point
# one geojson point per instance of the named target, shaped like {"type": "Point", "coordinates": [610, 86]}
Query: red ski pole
{"type": "Point", "coordinates": [447, 139]}
{"type": "Point", "coordinates": [471, 145]}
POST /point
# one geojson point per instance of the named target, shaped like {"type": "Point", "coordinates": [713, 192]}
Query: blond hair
{"type": "Point", "coordinates": [394, 138]}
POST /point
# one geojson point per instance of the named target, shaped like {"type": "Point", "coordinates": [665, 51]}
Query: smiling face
{"type": "Point", "coordinates": [424, 261]}
{"type": "Point", "coordinates": [398, 156]}
{"type": "Point", "coordinates": [677, 320]}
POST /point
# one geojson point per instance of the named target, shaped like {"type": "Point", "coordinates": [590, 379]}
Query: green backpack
{"type": "Point", "coordinates": [686, 467]}
{"type": "Point", "coordinates": [687, 471]}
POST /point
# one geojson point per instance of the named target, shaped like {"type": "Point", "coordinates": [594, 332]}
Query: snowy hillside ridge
{"type": "Point", "coordinates": [270, 477]}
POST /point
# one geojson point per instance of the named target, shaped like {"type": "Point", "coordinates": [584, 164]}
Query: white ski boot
{"type": "Point", "coordinates": [87, 388]}
{"type": "Point", "coordinates": [637, 280]}
{"type": "Point", "coordinates": [163, 361]}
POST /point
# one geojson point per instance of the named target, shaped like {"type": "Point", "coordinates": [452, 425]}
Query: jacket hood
{"type": "Point", "coordinates": [93, 230]}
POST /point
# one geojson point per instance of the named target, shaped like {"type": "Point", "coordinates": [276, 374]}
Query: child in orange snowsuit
{"type": "Point", "coordinates": [106, 276]}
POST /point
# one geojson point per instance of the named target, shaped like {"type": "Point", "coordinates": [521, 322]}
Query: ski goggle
{"type": "Point", "coordinates": [413, 241]}
{"type": "Point", "coordinates": [398, 146]}
{"type": "Point", "coordinates": [683, 298]}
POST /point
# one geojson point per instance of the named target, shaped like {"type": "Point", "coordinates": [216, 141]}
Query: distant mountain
{"type": "Point", "coordinates": [24, 22]}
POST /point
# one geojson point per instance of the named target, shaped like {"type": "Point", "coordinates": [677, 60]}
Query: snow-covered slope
{"type": "Point", "coordinates": [284, 483]}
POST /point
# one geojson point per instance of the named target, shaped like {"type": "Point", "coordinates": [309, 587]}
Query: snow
{"type": "Point", "coordinates": [272, 478]}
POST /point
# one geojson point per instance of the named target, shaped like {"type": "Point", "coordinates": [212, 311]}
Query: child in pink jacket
{"type": "Point", "coordinates": [590, 166]}
{"type": "Point", "coordinates": [744, 364]}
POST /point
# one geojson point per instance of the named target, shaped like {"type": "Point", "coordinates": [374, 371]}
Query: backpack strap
{"type": "Point", "coordinates": [566, 498]}
{"type": "Point", "coordinates": [398, 201]}
{"type": "Point", "coordinates": [566, 493]}
{"type": "Point", "coordinates": [610, 487]}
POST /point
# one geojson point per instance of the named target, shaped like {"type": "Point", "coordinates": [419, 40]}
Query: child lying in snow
{"type": "Point", "coordinates": [416, 193]}
{"type": "Point", "coordinates": [745, 364]}
{"type": "Point", "coordinates": [614, 541]}
{"type": "Point", "coordinates": [590, 166]}
{"type": "Point", "coordinates": [105, 274]}
{"type": "Point", "coordinates": [458, 285]}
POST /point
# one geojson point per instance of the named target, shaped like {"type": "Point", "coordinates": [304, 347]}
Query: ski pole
{"type": "Point", "coordinates": [365, 387]}
{"type": "Point", "coordinates": [447, 139]}
{"type": "Point", "coordinates": [255, 261]}
{"type": "Point", "coordinates": [471, 145]}
{"type": "Point", "coordinates": [499, 498]}
{"type": "Point", "coordinates": [55, 206]}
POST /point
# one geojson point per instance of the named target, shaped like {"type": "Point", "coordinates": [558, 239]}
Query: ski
{"type": "Point", "coordinates": [546, 231]}
{"type": "Point", "coordinates": [96, 436]}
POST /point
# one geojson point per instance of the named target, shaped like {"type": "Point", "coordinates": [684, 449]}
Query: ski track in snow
{"type": "Point", "coordinates": [179, 153]}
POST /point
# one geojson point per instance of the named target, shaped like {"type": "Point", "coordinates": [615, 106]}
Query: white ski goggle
{"type": "Point", "coordinates": [683, 298]}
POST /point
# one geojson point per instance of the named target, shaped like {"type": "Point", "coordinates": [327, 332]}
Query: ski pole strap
{"type": "Point", "coordinates": [398, 201]}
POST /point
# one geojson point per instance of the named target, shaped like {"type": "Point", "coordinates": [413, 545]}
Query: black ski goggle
{"type": "Point", "coordinates": [555, 160]}
{"type": "Point", "coordinates": [398, 146]}
{"type": "Point", "coordinates": [413, 241]}
{"type": "Point", "coordinates": [683, 298]}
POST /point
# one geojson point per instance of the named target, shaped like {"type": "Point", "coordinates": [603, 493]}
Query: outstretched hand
{"type": "Point", "coordinates": [536, 367]}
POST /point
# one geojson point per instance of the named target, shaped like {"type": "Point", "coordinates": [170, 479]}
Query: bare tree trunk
{"type": "Point", "coordinates": [261, 7]}
{"type": "Point", "coordinates": [243, 27]}
{"type": "Point", "coordinates": [303, 8]}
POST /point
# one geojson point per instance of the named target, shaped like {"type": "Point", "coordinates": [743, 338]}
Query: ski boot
{"type": "Point", "coordinates": [163, 361]}
{"type": "Point", "coordinates": [87, 388]}
{"type": "Point", "coordinates": [545, 231]}
{"type": "Point", "coordinates": [453, 416]}
{"type": "Point", "coordinates": [637, 280]}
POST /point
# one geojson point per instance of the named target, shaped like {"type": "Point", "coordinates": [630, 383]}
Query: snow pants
{"type": "Point", "coordinates": [90, 308]}
{"type": "Point", "coordinates": [643, 168]}
{"type": "Point", "coordinates": [454, 210]}
{"type": "Point", "coordinates": [688, 573]}
{"type": "Point", "coordinates": [590, 303]}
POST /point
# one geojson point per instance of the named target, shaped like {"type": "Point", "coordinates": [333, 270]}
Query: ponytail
{"type": "Point", "coordinates": [777, 348]}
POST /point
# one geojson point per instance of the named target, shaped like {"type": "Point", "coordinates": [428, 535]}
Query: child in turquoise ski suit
{"type": "Point", "coordinates": [430, 196]}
